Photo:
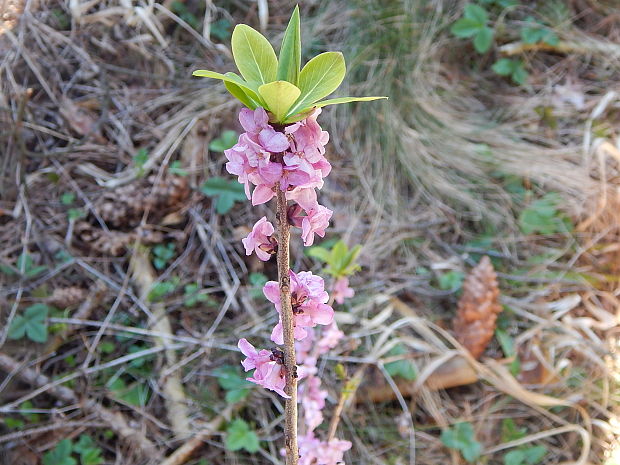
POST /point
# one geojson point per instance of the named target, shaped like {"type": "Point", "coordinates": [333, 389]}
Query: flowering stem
{"type": "Point", "coordinates": [290, 412]}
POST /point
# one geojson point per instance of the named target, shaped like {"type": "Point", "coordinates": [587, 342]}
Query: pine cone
{"type": "Point", "coordinates": [474, 324]}
{"type": "Point", "coordinates": [123, 208]}
{"type": "Point", "coordinates": [64, 297]}
{"type": "Point", "coordinates": [112, 242]}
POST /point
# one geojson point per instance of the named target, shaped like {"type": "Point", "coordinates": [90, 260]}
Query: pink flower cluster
{"type": "Point", "coordinates": [291, 159]}
{"type": "Point", "coordinates": [309, 302]}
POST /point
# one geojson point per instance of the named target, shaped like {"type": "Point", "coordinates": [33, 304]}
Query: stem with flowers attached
{"type": "Point", "coordinates": [290, 364]}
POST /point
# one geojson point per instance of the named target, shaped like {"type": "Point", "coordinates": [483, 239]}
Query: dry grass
{"type": "Point", "coordinates": [85, 85]}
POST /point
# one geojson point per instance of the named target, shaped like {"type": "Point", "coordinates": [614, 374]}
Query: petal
{"type": "Point", "coordinates": [262, 194]}
{"type": "Point", "coordinates": [273, 141]}
{"type": "Point", "coordinates": [277, 334]}
{"type": "Point", "coordinates": [272, 292]}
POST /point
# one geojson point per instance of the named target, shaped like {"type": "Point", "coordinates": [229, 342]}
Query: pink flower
{"type": "Point", "coordinates": [268, 373]}
{"type": "Point", "coordinates": [330, 338]}
{"type": "Point", "coordinates": [308, 138]}
{"type": "Point", "coordinates": [315, 223]}
{"type": "Point", "coordinates": [312, 451]}
{"type": "Point", "coordinates": [260, 240]}
{"type": "Point", "coordinates": [309, 301]}
{"type": "Point", "coordinates": [341, 290]}
{"type": "Point", "coordinates": [313, 401]}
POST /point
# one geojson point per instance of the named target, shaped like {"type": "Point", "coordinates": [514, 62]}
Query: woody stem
{"type": "Point", "coordinates": [290, 410]}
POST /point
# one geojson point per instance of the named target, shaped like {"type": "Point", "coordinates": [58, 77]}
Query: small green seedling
{"type": "Point", "coordinates": [226, 140]}
{"type": "Point", "coordinates": [225, 192]}
{"type": "Point", "coordinates": [474, 24]}
{"type": "Point", "coordinates": [240, 436]}
{"type": "Point", "coordinates": [162, 254]}
{"type": "Point", "coordinates": [340, 260]}
{"type": "Point", "coordinates": [511, 67]}
{"type": "Point", "coordinates": [462, 438]}
{"type": "Point", "coordinates": [32, 324]}
{"type": "Point", "coordinates": [233, 382]}
{"type": "Point", "coordinates": [403, 368]}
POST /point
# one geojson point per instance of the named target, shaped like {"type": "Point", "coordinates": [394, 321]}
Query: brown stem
{"type": "Point", "coordinates": [290, 363]}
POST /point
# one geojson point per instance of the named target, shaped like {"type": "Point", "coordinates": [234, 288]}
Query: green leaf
{"type": "Point", "coordinates": [90, 454]}
{"type": "Point", "coordinates": [279, 97]}
{"type": "Point", "coordinates": [176, 168]}
{"type": "Point", "coordinates": [483, 40]}
{"type": "Point", "coordinates": [60, 455]}
{"type": "Point", "coordinates": [229, 377]}
{"type": "Point", "coordinates": [320, 77]}
{"type": "Point", "coordinates": [506, 342]}
{"type": "Point", "coordinates": [160, 289]}
{"type": "Point", "coordinates": [466, 27]}
{"type": "Point", "coordinates": [510, 430]}
{"type": "Point", "coordinates": [254, 55]}
{"type": "Point", "coordinates": [519, 75]}
{"type": "Point", "coordinates": [403, 368]}
{"type": "Point", "coordinates": [229, 77]}
{"type": "Point", "coordinates": [141, 157]}
{"type": "Point", "coordinates": [503, 66]}
{"type": "Point", "coordinates": [220, 29]}
{"type": "Point", "coordinates": [236, 395]}
{"type": "Point", "coordinates": [75, 214]}
{"type": "Point", "coordinates": [514, 457]}
{"type": "Point", "coordinates": [289, 60]}
{"type": "Point", "coordinates": [225, 192]}
{"type": "Point", "coordinates": [13, 423]}
{"type": "Point", "coordinates": [542, 216]}
{"type": "Point", "coordinates": [476, 13]}
{"type": "Point", "coordinates": [31, 324]}
{"type": "Point", "coordinates": [137, 394]}
{"type": "Point", "coordinates": [226, 140]}
{"type": "Point", "coordinates": [337, 101]}
{"type": "Point", "coordinates": [451, 281]}
{"type": "Point", "coordinates": [462, 438]}
{"type": "Point", "coordinates": [257, 280]}
{"type": "Point", "coordinates": [319, 253]}
{"type": "Point", "coordinates": [67, 198]}
{"type": "Point", "coordinates": [239, 93]}
{"type": "Point", "coordinates": [239, 436]}
{"type": "Point", "coordinates": [534, 454]}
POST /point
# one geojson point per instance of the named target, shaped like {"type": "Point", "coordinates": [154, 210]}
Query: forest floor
{"type": "Point", "coordinates": [125, 287]}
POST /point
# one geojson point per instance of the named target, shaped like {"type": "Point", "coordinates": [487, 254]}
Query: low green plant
{"type": "Point", "coordinates": [474, 24]}
{"type": "Point", "coordinates": [139, 159]}
{"type": "Point", "coordinates": [257, 281]}
{"type": "Point", "coordinates": [522, 455]}
{"type": "Point", "coordinates": [193, 295]}
{"type": "Point", "coordinates": [240, 436]}
{"type": "Point", "coordinates": [162, 254]}
{"type": "Point", "coordinates": [402, 368]}
{"type": "Point", "coordinates": [512, 68]}
{"type": "Point", "coordinates": [340, 260]}
{"type": "Point", "coordinates": [225, 193]}
{"type": "Point", "coordinates": [451, 280]}
{"type": "Point", "coordinates": [60, 455]}
{"type": "Point", "coordinates": [176, 168]}
{"type": "Point", "coordinates": [231, 379]}
{"type": "Point", "coordinates": [225, 141]}
{"type": "Point", "coordinates": [25, 262]}
{"type": "Point", "coordinates": [162, 288]}
{"type": "Point", "coordinates": [543, 216]}
{"type": "Point", "coordinates": [63, 453]}
{"type": "Point", "coordinates": [32, 323]}
{"type": "Point", "coordinates": [461, 437]}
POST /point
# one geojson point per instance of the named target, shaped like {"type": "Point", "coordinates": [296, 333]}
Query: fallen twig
{"type": "Point", "coordinates": [144, 276]}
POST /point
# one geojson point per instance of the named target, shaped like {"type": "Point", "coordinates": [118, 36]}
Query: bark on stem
{"type": "Point", "coordinates": [290, 362]}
